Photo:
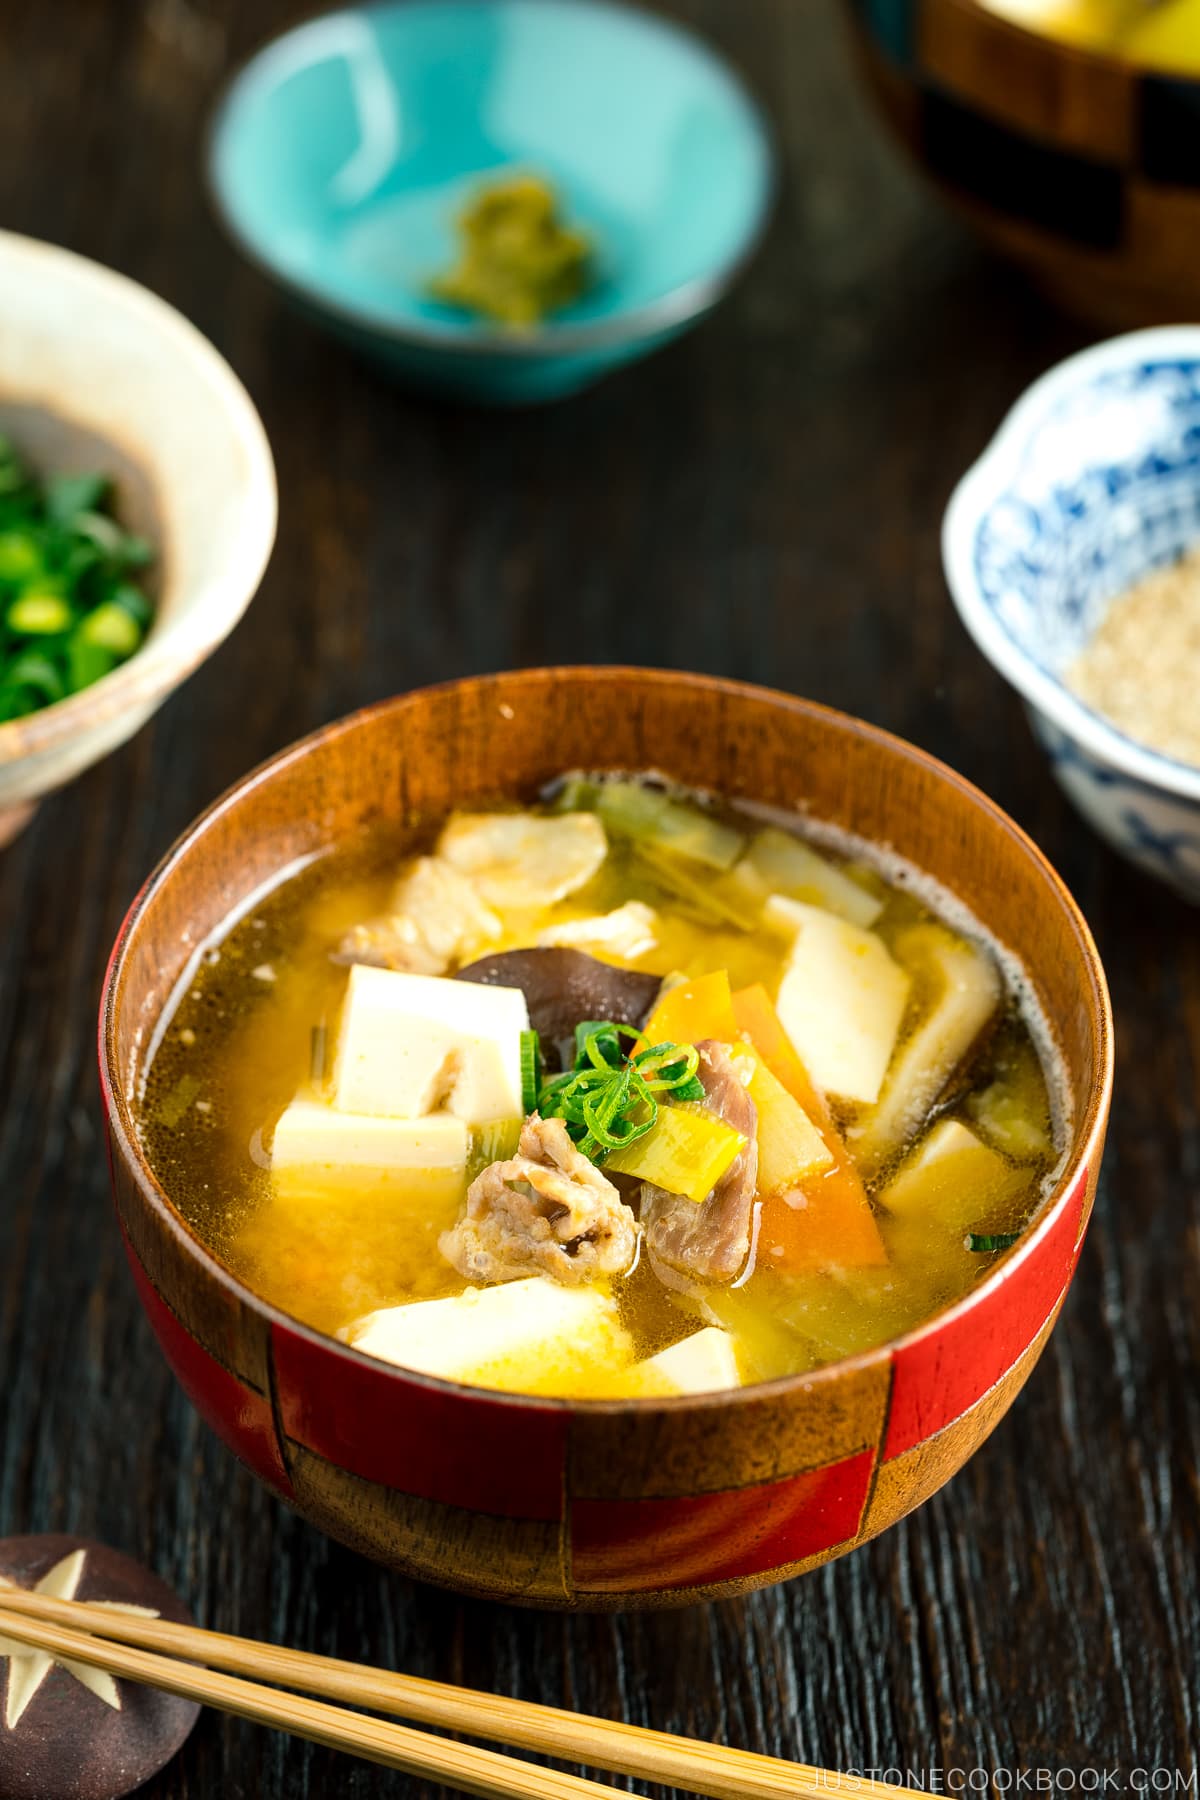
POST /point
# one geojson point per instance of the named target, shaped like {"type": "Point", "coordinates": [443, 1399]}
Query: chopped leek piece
{"type": "Point", "coordinates": [496, 1142]}
{"type": "Point", "coordinates": [531, 1070]}
{"type": "Point", "coordinates": [684, 1152]}
{"type": "Point", "coordinates": [631, 809]}
{"type": "Point", "coordinates": [716, 902]}
{"type": "Point", "coordinates": [984, 1241]}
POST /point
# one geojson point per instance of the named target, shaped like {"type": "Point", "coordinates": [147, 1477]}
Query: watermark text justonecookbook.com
{"type": "Point", "coordinates": [1111, 1780]}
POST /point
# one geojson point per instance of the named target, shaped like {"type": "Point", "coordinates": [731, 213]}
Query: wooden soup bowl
{"type": "Point", "coordinates": [599, 1504]}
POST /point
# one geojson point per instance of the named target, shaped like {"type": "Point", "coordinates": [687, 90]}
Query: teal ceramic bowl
{"type": "Point", "coordinates": [340, 155]}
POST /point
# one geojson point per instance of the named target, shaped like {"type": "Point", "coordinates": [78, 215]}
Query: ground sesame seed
{"type": "Point", "coordinates": [1141, 668]}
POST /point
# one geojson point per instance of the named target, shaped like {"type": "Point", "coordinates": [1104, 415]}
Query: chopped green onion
{"type": "Point", "coordinates": [31, 669]}
{"type": "Point", "coordinates": [110, 627]}
{"type": "Point", "coordinates": [983, 1241]}
{"type": "Point", "coordinates": [69, 495]}
{"type": "Point", "coordinates": [69, 611]}
{"type": "Point", "coordinates": [39, 614]}
{"type": "Point", "coordinates": [87, 662]}
{"type": "Point", "coordinates": [610, 1099]}
{"type": "Point", "coordinates": [20, 556]}
{"type": "Point", "coordinates": [531, 1071]}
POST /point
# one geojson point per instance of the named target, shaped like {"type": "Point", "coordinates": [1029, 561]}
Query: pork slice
{"type": "Point", "coordinates": [546, 1211]}
{"type": "Point", "coordinates": [708, 1242]}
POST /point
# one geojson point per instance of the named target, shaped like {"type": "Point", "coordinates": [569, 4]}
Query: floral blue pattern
{"type": "Point", "coordinates": [1074, 528]}
{"type": "Point", "coordinates": [1160, 833]}
{"type": "Point", "coordinates": [1092, 480]}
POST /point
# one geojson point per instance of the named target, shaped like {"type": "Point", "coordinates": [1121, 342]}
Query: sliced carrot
{"type": "Point", "coordinates": [827, 1218]}
{"type": "Point", "coordinates": [825, 1222]}
{"type": "Point", "coordinates": [692, 1011]}
{"type": "Point", "coordinates": [755, 1016]}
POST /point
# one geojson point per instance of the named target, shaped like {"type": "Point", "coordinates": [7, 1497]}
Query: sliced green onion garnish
{"type": "Point", "coordinates": [983, 1241]}
{"type": "Point", "coordinates": [39, 614]}
{"type": "Point", "coordinates": [20, 556]}
{"type": "Point", "coordinates": [110, 627]}
{"type": "Point", "coordinates": [610, 1098]}
{"type": "Point", "coordinates": [69, 609]}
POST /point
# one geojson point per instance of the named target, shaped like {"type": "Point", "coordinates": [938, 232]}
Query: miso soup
{"type": "Point", "coordinates": [625, 1093]}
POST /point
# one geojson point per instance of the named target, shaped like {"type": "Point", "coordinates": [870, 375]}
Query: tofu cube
{"type": "Point", "coordinates": [952, 1178]}
{"type": "Point", "coordinates": [841, 999]}
{"type": "Point", "coordinates": [313, 1136]}
{"type": "Point", "coordinates": [411, 1044]}
{"type": "Point", "coordinates": [704, 1363]}
{"type": "Point", "coordinates": [528, 1336]}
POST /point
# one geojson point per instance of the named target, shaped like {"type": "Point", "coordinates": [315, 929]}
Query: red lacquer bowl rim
{"type": "Point", "coordinates": [1088, 1133]}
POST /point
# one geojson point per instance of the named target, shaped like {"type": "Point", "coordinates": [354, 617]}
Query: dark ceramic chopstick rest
{"type": "Point", "coordinates": [71, 1733]}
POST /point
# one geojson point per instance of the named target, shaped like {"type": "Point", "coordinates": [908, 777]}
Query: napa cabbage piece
{"type": "Point", "coordinates": [967, 990]}
{"type": "Point", "coordinates": [705, 893]}
{"type": "Point", "coordinates": [627, 932]}
{"type": "Point", "coordinates": [435, 918]}
{"type": "Point", "coordinates": [775, 862]}
{"type": "Point", "coordinates": [451, 919]}
{"type": "Point", "coordinates": [631, 809]}
{"type": "Point", "coordinates": [522, 861]}
{"type": "Point", "coordinates": [841, 999]}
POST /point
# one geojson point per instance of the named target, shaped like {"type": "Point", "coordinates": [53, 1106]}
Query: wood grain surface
{"type": "Point", "coordinates": [763, 500]}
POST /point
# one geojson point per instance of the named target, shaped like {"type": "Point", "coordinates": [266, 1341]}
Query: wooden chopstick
{"type": "Point", "coordinates": [702, 1768]}
{"type": "Point", "coordinates": [463, 1766]}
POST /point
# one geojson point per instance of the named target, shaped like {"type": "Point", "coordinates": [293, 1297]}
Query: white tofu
{"type": "Point", "coordinates": [952, 1178]}
{"type": "Point", "coordinates": [704, 1363]}
{"type": "Point", "coordinates": [520, 861]}
{"type": "Point", "coordinates": [628, 931]}
{"type": "Point", "coordinates": [313, 1136]}
{"type": "Point", "coordinates": [409, 1044]}
{"type": "Point", "coordinates": [841, 999]}
{"type": "Point", "coordinates": [526, 1336]}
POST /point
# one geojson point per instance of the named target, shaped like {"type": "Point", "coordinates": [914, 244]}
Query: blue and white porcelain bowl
{"type": "Point", "coordinates": [1092, 480]}
{"type": "Point", "coordinates": [342, 153]}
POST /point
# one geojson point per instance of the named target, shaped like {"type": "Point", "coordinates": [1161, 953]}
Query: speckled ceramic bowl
{"type": "Point", "coordinates": [96, 373]}
{"type": "Point", "coordinates": [598, 1504]}
{"type": "Point", "coordinates": [1092, 480]}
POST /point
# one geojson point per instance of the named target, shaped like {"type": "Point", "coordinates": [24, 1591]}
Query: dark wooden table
{"type": "Point", "coordinates": [762, 500]}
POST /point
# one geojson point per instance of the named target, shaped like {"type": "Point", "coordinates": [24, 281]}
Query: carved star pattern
{"type": "Point", "coordinates": [28, 1668]}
